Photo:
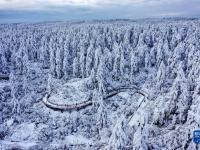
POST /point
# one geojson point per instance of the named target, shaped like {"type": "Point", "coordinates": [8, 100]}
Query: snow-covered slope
{"type": "Point", "coordinates": [70, 62]}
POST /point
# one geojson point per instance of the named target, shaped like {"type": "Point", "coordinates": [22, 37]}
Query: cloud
{"type": "Point", "coordinates": [42, 4]}
{"type": "Point", "coordinates": [61, 10]}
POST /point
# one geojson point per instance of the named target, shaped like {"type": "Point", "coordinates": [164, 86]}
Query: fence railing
{"type": "Point", "coordinates": [88, 102]}
{"type": "Point", "coordinates": [4, 76]}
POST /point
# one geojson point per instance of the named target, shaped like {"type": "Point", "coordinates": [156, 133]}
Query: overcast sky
{"type": "Point", "coordinates": [63, 10]}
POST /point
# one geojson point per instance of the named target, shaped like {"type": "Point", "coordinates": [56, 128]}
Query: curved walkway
{"type": "Point", "coordinates": [124, 89]}
{"type": "Point", "coordinates": [4, 76]}
{"type": "Point", "coordinates": [88, 102]}
{"type": "Point", "coordinates": [66, 106]}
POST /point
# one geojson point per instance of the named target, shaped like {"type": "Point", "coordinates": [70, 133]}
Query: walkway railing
{"type": "Point", "coordinates": [4, 77]}
{"type": "Point", "coordinates": [88, 102]}
{"type": "Point", "coordinates": [55, 106]}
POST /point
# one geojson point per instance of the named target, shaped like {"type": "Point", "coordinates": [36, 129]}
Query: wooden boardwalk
{"type": "Point", "coordinates": [4, 77]}
{"type": "Point", "coordinates": [88, 102]}
{"type": "Point", "coordinates": [55, 106]}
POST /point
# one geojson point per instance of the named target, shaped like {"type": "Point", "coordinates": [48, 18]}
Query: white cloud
{"type": "Point", "coordinates": [107, 8]}
{"type": "Point", "coordinates": [56, 10]}
{"type": "Point", "coordinates": [39, 4]}
{"type": "Point", "coordinates": [6, 4]}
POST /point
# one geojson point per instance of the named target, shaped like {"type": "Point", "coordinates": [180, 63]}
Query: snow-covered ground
{"type": "Point", "coordinates": [71, 92]}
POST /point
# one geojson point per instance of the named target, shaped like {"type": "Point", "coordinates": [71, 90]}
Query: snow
{"type": "Point", "coordinates": [138, 117]}
{"type": "Point", "coordinates": [70, 93]}
{"type": "Point", "coordinates": [24, 144]}
{"type": "Point", "coordinates": [77, 139]}
{"type": "Point", "coordinates": [4, 83]}
{"type": "Point", "coordinates": [9, 122]}
{"type": "Point", "coordinates": [72, 62]}
{"type": "Point", "coordinates": [23, 132]}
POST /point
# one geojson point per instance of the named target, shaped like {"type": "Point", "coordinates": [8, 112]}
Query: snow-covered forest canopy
{"type": "Point", "coordinates": [92, 58]}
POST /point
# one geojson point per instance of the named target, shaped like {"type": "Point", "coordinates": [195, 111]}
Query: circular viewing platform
{"type": "Point", "coordinates": [71, 95]}
{"type": "Point", "coordinates": [75, 95]}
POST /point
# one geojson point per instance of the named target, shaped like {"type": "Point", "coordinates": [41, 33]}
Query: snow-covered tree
{"type": "Point", "coordinates": [119, 138]}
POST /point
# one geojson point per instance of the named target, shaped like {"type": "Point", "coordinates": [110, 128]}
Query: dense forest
{"type": "Point", "coordinates": [161, 57]}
